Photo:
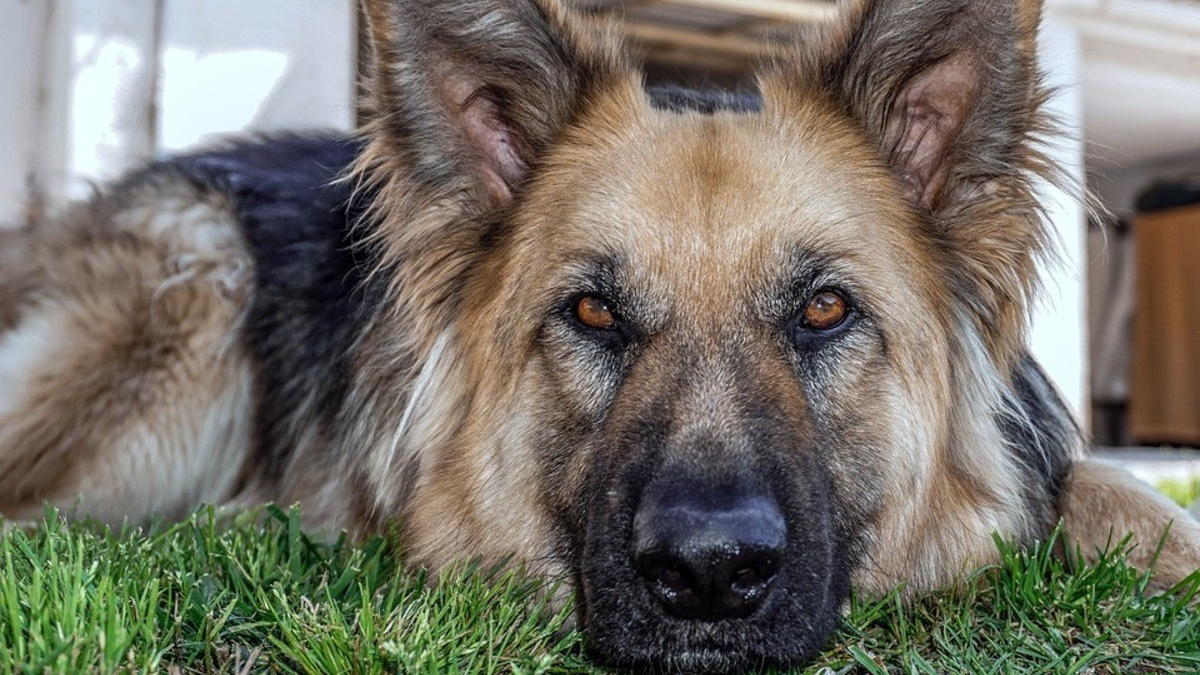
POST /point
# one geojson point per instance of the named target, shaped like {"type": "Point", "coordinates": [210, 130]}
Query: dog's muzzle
{"type": "Point", "coordinates": [694, 568]}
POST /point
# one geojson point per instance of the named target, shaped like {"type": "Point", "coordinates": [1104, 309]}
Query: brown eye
{"type": "Point", "coordinates": [594, 313]}
{"type": "Point", "coordinates": [825, 310]}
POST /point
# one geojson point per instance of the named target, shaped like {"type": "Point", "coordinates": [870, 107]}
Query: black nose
{"type": "Point", "coordinates": [708, 554]}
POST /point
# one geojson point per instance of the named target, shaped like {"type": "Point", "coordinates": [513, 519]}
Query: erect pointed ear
{"type": "Point", "coordinates": [948, 92]}
{"type": "Point", "coordinates": [947, 88]}
{"type": "Point", "coordinates": [465, 95]}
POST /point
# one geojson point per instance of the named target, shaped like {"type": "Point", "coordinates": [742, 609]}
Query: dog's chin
{"type": "Point", "coordinates": [714, 649]}
{"type": "Point", "coordinates": [702, 661]}
{"type": "Point", "coordinates": [706, 661]}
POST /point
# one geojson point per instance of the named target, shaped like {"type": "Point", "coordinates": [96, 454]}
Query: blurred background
{"type": "Point", "coordinates": [92, 87]}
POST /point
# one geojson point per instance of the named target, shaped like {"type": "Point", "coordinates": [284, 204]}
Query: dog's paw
{"type": "Point", "coordinates": [1102, 503]}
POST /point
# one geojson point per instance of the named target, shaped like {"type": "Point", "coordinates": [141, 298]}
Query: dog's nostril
{"type": "Point", "coordinates": [673, 580]}
{"type": "Point", "coordinates": [746, 579]}
{"type": "Point", "coordinates": [708, 562]}
{"type": "Point", "coordinates": [669, 581]}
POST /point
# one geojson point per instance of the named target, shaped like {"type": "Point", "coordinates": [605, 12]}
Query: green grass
{"type": "Point", "coordinates": [255, 597]}
{"type": "Point", "coordinates": [1184, 491]}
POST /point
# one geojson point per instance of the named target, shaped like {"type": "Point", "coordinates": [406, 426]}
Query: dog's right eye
{"type": "Point", "coordinates": [593, 312]}
{"type": "Point", "coordinates": [826, 313]}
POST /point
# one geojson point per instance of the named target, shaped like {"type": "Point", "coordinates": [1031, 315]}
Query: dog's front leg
{"type": "Point", "coordinates": [1102, 503]}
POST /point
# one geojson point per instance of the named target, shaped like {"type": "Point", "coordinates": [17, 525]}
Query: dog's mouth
{"type": "Point", "coordinates": [716, 648]}
{"type": "Point", "coordinates": [712, 580]}
{"type": "Point", "coordinates": [712, 661]}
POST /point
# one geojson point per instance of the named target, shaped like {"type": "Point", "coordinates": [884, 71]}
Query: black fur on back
{"type": "Point", "coordinates": [309, 302]}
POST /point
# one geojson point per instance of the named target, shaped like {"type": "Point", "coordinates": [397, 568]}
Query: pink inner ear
{"type": "Point", "coordinates": [489, 135]}
{"type": "Point", "coordinates": [925, 122]}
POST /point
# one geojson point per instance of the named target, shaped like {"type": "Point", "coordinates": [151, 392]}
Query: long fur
{"type": "Point", "coordinates": [389, 329]}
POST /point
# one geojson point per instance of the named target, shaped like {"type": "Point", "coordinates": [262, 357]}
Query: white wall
{"type": "Point", "coordinates": [92, 87]}
{"type": "Point", "coordinates": [1058, 338]}
{"type": "Point", "coordinates": [29, 45]}
{"type": "Point", "coordinates": [107, 93]}
{"type": "Point", "coordinates": [255, 65]}
{"type": "Point", "coordinates": [1120, 188]}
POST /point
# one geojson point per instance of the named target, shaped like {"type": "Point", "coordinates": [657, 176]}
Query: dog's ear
{"type": "Point", "coordinates": [464, 96]}
{"type": "Point", "coordinates": [949, 93]}
{"type": "Point", "coordinates": [948, 89]}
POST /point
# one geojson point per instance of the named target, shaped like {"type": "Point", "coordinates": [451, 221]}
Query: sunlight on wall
{"type": "Point", "coordinates": [238, 66]}
{"type": "Point", "coordinates": [104, 73]}
{"type": "Point", "coordinates": [205, 96]}
{"type": "Point", "coordinates": [91, 88]}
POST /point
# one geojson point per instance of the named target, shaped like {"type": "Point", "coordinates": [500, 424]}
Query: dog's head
{"type": "Point", "coordinates": [714, 368]}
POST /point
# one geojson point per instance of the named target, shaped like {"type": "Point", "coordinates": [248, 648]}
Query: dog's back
{"type": "Point", "coordinates": [181, 337]}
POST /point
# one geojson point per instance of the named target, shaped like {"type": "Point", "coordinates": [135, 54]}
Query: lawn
{"type": "Point", "coordinates": [260, 597]}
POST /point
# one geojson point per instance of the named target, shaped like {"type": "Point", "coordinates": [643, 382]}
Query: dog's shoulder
{"type": "Point", "coordinates": [1039, 427]}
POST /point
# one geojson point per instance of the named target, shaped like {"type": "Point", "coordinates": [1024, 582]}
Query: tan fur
{"type": "Point", "coordinates": [121, 377]}
{"type": "Point", "coordinates": [512, 157]}
{"type": "Point", "coordinates": [1104, 503]}
{"type": "Point", "coordinates": [942, 508]}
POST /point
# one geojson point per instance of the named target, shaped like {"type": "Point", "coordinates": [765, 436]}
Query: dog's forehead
{"type": "Point", "coordinates": [734, 195]}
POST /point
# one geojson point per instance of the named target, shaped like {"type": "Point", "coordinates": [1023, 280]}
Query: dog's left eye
{"type": "Point", "coordinates": [825, 310]}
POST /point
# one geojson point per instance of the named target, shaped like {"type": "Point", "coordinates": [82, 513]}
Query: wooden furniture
{"type": "Point", "coordinates": [1164, 405]}
{"type": "Point", "coordinates": [715, 36]}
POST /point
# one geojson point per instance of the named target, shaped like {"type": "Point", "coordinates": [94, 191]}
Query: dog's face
{"type": "Point", "coordinates": [701, 364]}
{"type": "Point", "coordinates": [705, 312]}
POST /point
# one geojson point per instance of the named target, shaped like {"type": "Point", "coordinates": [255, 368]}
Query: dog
{"type": "Point", "coordinates": [714, 360]}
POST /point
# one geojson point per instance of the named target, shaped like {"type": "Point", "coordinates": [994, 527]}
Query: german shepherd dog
{"type": "Point", "coordinates": [712, 359]}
